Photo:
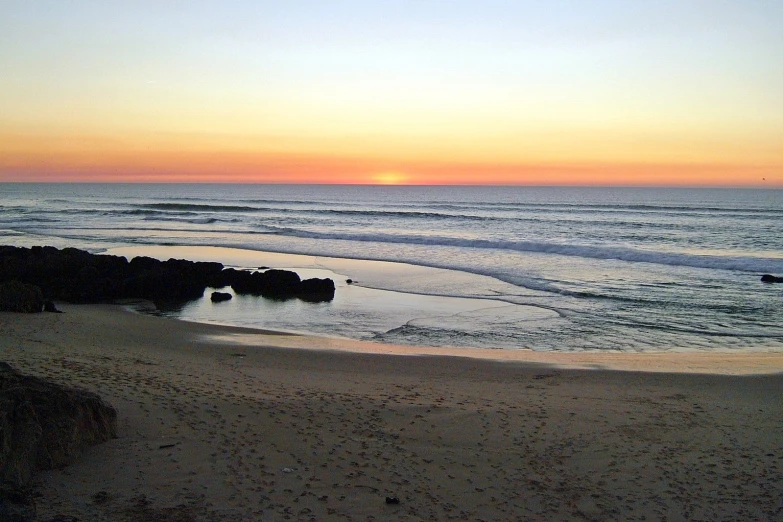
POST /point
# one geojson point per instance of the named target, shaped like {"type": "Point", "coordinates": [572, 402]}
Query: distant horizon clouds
{"type": "Point", "coordinates": [504, 92]}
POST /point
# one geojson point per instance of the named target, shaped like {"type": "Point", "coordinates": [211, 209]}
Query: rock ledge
{"type": "Point", "coordinates": [46, 426]}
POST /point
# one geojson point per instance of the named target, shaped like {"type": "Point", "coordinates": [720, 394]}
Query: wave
{"type": "Point", "coordinates": [628, 254]}
{"type": "Point", "coordinates": [740, 263]}
{"type": "Point", "coordinates": [601, 214]}
{"type": "Point", "coordinates": [195, 221]}
{"type": "Point", "coordinates": [495, 205]}
{"type": "Point", "coordinates": [310, 216]}
{"type": "Point", "coordinates": [408, 214]}
{"type": "Point", "coordinates": [518, 217]}
{"type": "Point", "coordinates": [151, 212]}
{"type": "Point", "coordinates": [583, 213]}
{"type": "Point", "coordinates": [162, 208]}
{"type": "Point", "coordinates": [39, 219]}
{"type": "Point", "coordinates": [197, 207]}
{"type": "Point", "coordinates": [577, 211]}
{"type": "Point", "coordinates": [461, 206]}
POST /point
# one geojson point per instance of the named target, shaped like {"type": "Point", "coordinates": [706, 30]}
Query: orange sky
{"type": "Point", "coordinates": [635, 93]}
{"type": "Point", "coordinates": [96, 158]}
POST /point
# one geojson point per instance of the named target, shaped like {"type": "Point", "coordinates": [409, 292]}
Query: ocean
{"type": "Point", "coordinates": [544, 268]}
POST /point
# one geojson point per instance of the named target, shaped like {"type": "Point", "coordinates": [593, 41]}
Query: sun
{"type": "Point", "coordinates": [389, 178]}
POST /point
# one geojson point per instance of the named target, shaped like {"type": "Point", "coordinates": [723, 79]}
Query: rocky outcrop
{"type": "Point", "coordinates": [45, 426]}
{"type": "Point", "coordinates": [219, 297]}
{"type": "Point", "coordinates": [77, 276]}
{"type": "Point", "coordinates": [769, 278]}
{"type": "Point", "coordinates": [271, 283]}
{"type": "Point", "coordinates": [316, 290]}
{"type": "Point", "coordinates": [283, 284]}
{"type": "Point", "coordinates": [20, 297]}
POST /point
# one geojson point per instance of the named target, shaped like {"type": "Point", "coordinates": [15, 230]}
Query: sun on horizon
{"type": "Point", "coordinates": [390, 178]}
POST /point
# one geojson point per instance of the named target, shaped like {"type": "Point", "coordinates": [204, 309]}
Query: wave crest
{"type": "Point", "coordinates": [744, 264]}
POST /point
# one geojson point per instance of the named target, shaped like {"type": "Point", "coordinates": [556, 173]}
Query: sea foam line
{"type": "Point", "coordinates": [741, 263]}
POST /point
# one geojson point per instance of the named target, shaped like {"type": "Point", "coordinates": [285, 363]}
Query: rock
{"type": "Point", "coordinates": [276, 284]}
{"type": "Point", "coordinates": [69, 275]}
{"type": "Point", "coordinates": [77, 276]}
{"type": "Point", "coordinates": [141, 264]}
{"type": "Point", "coordinates": [219, 297]}
{"type": "Point", "coordinates": [349, 281]}
{"type": "Point", "coordinates": [175, 279]}
{"type": "Point", "coordinates": [20, 297]}
{"type": "Point", "coordinates": [45, 425]}
{"type": "Point", "coordinates": [163, 284]}
{"type": "Point", "coordinates": [316, 290]}
{"type": "Point", "coordinates": [282, 284]}
{"type": "Point", "coordinates": [769, 278]}
{"type": "Point", "coordinates": [227, 277]}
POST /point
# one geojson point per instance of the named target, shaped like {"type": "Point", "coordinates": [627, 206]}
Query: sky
{"type": "Point", "coordinates": [556, 92]}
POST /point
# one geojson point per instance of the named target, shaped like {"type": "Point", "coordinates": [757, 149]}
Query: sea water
{"type": "Point", "coordinates": [546, 268]}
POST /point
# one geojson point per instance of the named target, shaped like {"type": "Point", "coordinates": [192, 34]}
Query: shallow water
{"type": "Point", "coordinates": [357, 311]}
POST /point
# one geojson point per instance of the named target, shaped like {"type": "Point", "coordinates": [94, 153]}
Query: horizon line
{"type": "Point", "coordinates": [404, 185]}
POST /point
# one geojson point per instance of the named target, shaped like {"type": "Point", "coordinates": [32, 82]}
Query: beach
{"type": "Point", "coordinates": [391, 261]}
{"type": "Point", "coordinates": [223, 423]}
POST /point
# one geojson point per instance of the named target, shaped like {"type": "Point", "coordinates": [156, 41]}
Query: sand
{"type": "Point", "coordinates": [220, 423]}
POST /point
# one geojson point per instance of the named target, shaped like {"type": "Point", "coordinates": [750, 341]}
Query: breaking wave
{"type": "Point", "coordinates": [745, 264]}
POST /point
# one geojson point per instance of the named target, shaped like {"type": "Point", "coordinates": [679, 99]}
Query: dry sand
{"type": "Point", "coordinates": [220, 423]}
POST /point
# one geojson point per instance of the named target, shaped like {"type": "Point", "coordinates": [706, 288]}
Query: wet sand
{"type": "Point", "coordinates": [220, 423]}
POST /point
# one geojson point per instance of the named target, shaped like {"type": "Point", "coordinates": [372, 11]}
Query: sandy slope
{"type": "Point", "coordinates": [217, 430]}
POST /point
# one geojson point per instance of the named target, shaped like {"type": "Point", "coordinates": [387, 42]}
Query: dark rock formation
{"type": "Point", "coordinates": [769, 278]}
{"type": "Point", "coordinates": [77, 276]}
{"type": "Point", "coordinates": [20, 297]}
{"type": "Point", "coordinates": [276, 284]}
{"type": "Point", "coordinates": [219, 297]}
{"type": "Point", "coordinates": [45, 426]}
{"type": "Point", "coordinates": [69, 274]}
{"type": "Point", "coordinates": [316, 290]}
{"type": "Point", "coordinates": [282, 284]}
{"type": "Point", "coordinates": [175, 279]}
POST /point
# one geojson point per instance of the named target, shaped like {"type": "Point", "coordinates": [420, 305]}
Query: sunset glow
{"type": "Point", "coordinates": [597, 92]}
{"type": "Point", "coordinates": [390, 178]}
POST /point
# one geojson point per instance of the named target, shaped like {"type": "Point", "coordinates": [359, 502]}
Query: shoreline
{"type": "Point", "coordinates": [404, 304]}
{"type": "Point", "coordinates": [386, 305]}
{"type": "Point", "coordinates": [674, 360]}
{"type": "Point", "coordinates": [291, 427]}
